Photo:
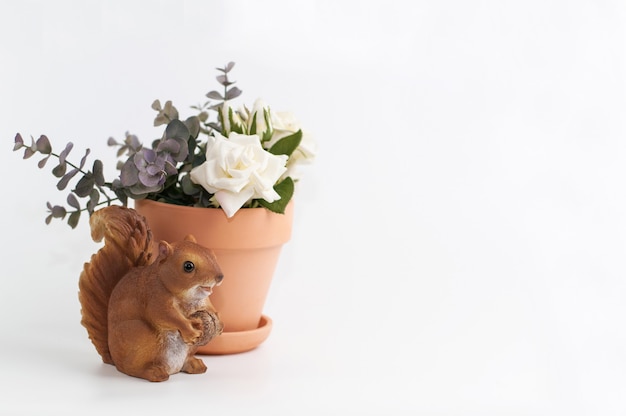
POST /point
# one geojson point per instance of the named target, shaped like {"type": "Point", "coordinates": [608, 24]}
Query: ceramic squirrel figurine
{"type": "Point", "coordinates": [147, 318]}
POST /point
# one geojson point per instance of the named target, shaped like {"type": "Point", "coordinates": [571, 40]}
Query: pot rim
{"type": "Point", "coordinates": [249, 228]}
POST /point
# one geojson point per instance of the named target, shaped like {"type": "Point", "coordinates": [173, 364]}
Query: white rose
{"type": "Point", "coordinates": [285, 124]}
{"type": "Point", "coordinates": [237, 170]}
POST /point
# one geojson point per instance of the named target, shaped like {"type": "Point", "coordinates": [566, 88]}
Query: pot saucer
{"type": "Point", "coordinates": [236, 342]}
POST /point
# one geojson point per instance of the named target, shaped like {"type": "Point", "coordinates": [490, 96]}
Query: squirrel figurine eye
{"type": "Point", "coordinates": [188, 267]}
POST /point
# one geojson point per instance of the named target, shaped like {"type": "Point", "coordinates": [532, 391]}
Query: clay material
{"type": "Point", "coordinates": [247, 247]}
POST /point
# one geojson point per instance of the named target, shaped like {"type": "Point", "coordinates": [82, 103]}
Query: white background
{"type": "Point", "coordinates": [458, 247]}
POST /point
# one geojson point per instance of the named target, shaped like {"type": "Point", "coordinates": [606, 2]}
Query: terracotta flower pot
{"type": "Point", "coordinates": [247, 247]}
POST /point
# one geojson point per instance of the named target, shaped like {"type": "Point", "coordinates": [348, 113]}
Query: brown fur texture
{"type": "Point", "coordinates": [147, 318]}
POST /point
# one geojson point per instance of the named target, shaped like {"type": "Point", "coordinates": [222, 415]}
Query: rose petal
{"type": "Point", "coordinates": [232, 201]}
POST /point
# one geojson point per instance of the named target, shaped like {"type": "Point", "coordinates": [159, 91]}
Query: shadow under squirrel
{"type": "Point", "coordinates": [146, 317]}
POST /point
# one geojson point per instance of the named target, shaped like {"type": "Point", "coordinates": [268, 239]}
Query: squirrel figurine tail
{"type": "Point", "coordinates": [147, 317]}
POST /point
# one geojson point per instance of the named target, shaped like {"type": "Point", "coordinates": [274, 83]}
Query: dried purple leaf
{"type": "Point", "coordinates": [19, 142]}
{"type": "Point", "coordinates": [84, 159]}
{"type": "Point", "coordinates": [214, 95]}
{"type": "Point", "coordinates": [42, 162]}
{"type": "Point", "coordinates": [84, 186]}
{"type": "Point", "coordinates": [65, 152]}
{"type": "Point", "coordinates": [233, 93]}
{"type": "Point", "coordinates": [72, 201]}
{"type": "Point", "coordinates": [43, 145]}
{"type": "Point", "coordinates": [62, 184]}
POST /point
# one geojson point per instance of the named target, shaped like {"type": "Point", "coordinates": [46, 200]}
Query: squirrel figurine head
{"type": "Point", "coordinates": [188, 270]}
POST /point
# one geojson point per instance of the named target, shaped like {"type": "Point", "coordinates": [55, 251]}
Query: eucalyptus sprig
{"type": "Point", "coordinates": [89, 184]}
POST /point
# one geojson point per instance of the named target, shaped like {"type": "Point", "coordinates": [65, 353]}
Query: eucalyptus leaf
{"type": "Point", "coordinates": [84, 159]}
{"type": "Point", "coordinates": [203, 116]}
{"type": "Point", "coordinates": [223, 79]}
{"type": "Point", "coordinates": [43, 161]}
{"type": "Point", "coordinates": [43, 145]}
{"type": "Point", "coordinates": [60, 169]}
{"type": "Point", "coordinates": [94, 198]}
{"type": "Point", "coordinates": [233, 93]}
{"type": "Point", "coordinates": [214, 95]}
{"type": "Point", "coordinates": [215, 126]}
{"type": "Point", "coordinates": [121, 195]}
{"type": "Point", "coordinates": [85, 185]}
{"type": "Point", "coordinates": [19, 142]}
{"type": "Point", "coordinates": [62, 184]}
{"type": "Point", "coordinates": [65, 152]}
{"type": "Point", "coordinates": [72, 221]}
{"type": "Point", "coordinates": [72, 201]}
{"type": "Point", "coordinates": [189, 188]}
{"type": "Point", "coordinates": [58, 211]}
{"type": "Point", "coordinates": [28, 152]}
{"type": "Point", "coordinates": [177, 129]}
{"type": "Point", "coordinates": [193, 126]}
{"type": "Point", "coordinates": [98, 172]}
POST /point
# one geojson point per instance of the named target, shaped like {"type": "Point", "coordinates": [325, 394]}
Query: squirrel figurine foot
{"type": "Point", "coordinates": [146, 317]}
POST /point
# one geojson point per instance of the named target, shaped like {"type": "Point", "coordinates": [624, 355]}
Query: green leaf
{"type": "Point", "coordinates": [236, 127]}
{"type": "Point", "coordinates": [188, 187]}
{"type": "Point", "coordinates": [285, 190]}
{"type": "Point", "coordinates": [269, 132]}
{"type": "Point", "coordinates": [253, 125]}
{"type": "Point", "coordinates": [287, 145]}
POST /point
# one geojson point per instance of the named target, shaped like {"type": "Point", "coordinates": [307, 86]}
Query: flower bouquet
{"type": "Point", "coordinates": [221, 157]}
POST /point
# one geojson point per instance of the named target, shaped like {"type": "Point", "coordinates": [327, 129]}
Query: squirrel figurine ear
{"type": "Point", "coordinates": [165, 250]}
{"type": "Point", "coordinates": [190, 237]}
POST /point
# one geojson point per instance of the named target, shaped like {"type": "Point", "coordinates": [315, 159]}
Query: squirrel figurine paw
{"type": "Point", "coordinates": [146, 317]}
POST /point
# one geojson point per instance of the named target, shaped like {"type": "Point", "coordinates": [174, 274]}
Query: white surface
{"type": "Point", "coordinates": [459, 243]}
